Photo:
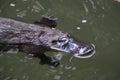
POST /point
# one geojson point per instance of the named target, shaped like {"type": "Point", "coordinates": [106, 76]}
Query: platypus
{"type": "Point", "coordinates": [39, 37]}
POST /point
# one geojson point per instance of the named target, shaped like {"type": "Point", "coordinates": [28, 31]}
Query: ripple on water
{"type": "Point", "coordinates": [85, 7]}
{"type": "Point", "coordinates": [25, 77]}
{"type": "Point", "coordinates": [21, 13]}
{"type": "Point", "coordinates": [15, 79]}
{"type": "Point", "coordinates": [58, 56]}
{"type": "Point", "coordinates": [93, 4]}
{"type": "Point", "coordinates": [7, 78]}
{"type": "Point", "coordinates": [1, 69]}
{"type": "Point", "coordinates": [117, 0]}
{"type": "Point", "coordinates": [68, 67]}
{"type": "Point", "coordinates": [37, 7]}
{"type": "Point", "coordinates": [24, 0]}
{"type": "Point", "coordinates": [73, 68]}
{"type": "Point", "coordinates": [61, 72]}
{"type": "Point", "coordinates": [11, 69]}
{"type": "Point", "coordinates": [1, 54]}
{"type": "Point", "coordinates": [57, 77]}
{"type": "Point", "coordinates": [61, 65]}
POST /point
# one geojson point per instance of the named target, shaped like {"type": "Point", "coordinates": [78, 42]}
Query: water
{"type": "Point", "coordinates": [96, 21]}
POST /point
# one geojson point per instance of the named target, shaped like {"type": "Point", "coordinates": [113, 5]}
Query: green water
{"type": "Point", "coordinates": [99, 23]}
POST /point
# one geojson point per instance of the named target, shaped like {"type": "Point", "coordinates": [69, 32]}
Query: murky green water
{"type": "Point", "coordinates": [96, 21]}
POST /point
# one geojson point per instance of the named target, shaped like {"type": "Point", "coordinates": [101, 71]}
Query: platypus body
{"type": "Point", "coordinates": [40, 37]}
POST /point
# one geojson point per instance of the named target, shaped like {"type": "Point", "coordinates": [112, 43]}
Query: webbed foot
{"type": "Point", "coordinates": [48, 60]}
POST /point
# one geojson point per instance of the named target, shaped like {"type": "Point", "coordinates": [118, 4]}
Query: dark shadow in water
{"type": "Point", "coordinates": [43, 58]}
{"type": "Point", "coordinates": [47, 60]}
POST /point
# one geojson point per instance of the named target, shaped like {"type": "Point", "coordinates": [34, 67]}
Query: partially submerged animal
{"type": "Point", "coordinates": [40, 37]}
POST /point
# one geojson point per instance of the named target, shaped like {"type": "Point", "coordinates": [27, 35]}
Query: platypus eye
{"type": "Point", "coordinates": [54, 41]}
{"type": "Point", "coordinates": [61, 41]}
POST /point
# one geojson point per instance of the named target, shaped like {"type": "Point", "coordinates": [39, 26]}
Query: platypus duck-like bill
{"type": "Point", "coordinates": [42, 34]}
{"type": "Point", "coordinates": [77, 48]}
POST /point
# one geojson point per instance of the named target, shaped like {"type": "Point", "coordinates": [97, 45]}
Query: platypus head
{"type": "Point", "coordinates": [77, 48]}
{"type": "Point", "coordinates": [60, 41]}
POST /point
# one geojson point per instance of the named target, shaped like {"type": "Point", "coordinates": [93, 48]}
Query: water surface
{"type": "Point", "coordinates": [95, 21]}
